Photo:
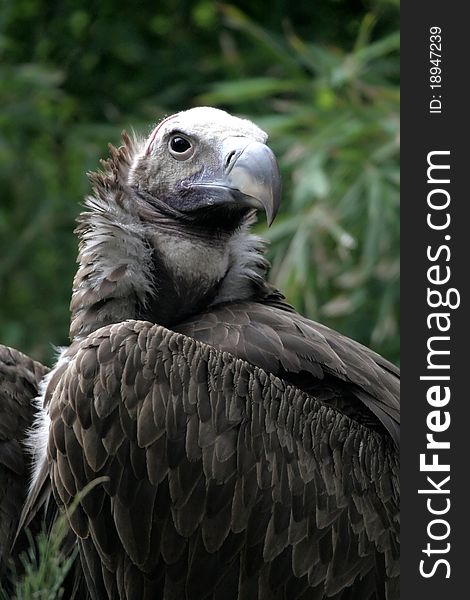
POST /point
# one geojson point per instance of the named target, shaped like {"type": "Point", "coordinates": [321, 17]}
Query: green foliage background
{"type": "Point", "coordinates": [321, 76]}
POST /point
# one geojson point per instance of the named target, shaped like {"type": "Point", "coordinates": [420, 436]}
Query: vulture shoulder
{"type": "Point", "coordinates": [225, 480]}
{"type": "Point", "coordinates": [309, 355]}
{"type": "Point", "coordinates": [20, 377]}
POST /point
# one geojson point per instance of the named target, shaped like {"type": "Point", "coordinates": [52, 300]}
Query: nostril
{"type": "Point", "coordinates": [229, 158]}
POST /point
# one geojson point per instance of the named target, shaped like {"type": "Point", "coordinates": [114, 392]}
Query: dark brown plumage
{"type": "Point", "coordinates": [19, 385]}
{"type": "Point", "coordinates": [225, 481]}
{"type": "Point", "coordinates": [250, 453]}
{"type": "Point", "coordinates": [271, 335]}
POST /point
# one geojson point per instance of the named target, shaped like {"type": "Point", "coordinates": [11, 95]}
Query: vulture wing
{"type": "Point", "coordinates": [273, 336]}
{"type": "Point", "coordinates": [19, 384]}
{"type": "Point", "coordinates": [20, 378]}
{"type": "Point", "coordinates": [225, 480]}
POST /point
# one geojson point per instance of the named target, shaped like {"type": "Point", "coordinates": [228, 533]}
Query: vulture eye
{"type": "Point", "coordinates": [180, 147]}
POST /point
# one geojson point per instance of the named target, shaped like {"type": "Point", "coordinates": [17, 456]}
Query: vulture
{"type": "Point", "coordinates": [20, 378]}
{"type": "Point", "coordinates": [204, 440]}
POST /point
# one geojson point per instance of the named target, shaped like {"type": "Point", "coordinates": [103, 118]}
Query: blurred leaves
{"type": "Point", "coordinates": [42, 568]}
{"type": "Point", "coordinates": [333, 116]}
{"type": "Point", "coordinates": [321, 78]}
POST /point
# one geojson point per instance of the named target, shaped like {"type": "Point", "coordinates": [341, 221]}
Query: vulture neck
{"type": "Point", "coordinates": [134, 270]}
{"type": "Point", "coordinates": [114, 273]}
{"type": "Point", "coordinates": [143, 265]}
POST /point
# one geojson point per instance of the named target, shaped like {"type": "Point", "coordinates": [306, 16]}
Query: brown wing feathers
{"type": "Point", "coordinates": [217, 470]}
{"type": "Point", "coordinates": [285, 343]}
{"type": "Point", "coordinates": [19, 382]}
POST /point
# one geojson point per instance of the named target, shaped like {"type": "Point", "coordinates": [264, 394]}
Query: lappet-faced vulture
{"type": "Point", "coordinates": [249, 453]}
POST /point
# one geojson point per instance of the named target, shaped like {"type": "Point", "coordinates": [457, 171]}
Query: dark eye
{"type": "Point", "coordinates": [179, 144]}
{"type": "Point", "coordinates": [180, 147]}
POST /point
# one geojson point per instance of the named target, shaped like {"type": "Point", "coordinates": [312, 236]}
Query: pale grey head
{"type": "Point", "coordinates": [166, 230]}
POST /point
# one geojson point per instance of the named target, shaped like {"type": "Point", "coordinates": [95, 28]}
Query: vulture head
{"type": "Point", "coordinates": [166, 230]}
{"type": "Point", "coordinates": [206, 168]}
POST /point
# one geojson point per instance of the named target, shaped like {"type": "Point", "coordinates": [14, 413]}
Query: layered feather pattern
{"type": "Point", "coordinates": [224, 480]}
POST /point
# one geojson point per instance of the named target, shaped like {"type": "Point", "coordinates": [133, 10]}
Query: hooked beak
{"type": "Point", "coordinates": [253, 176]}
{"type": "Point", "coordinates": [250, 179]}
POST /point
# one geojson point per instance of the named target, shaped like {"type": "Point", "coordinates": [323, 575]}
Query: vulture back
{"type": "Point", "coordinates": [224, 480]}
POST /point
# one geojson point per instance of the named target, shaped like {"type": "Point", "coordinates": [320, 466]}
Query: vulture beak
{"type": "Point", "coordinates": [250, 178]}
{"type": "Point", "coordinates": [254, 180]}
